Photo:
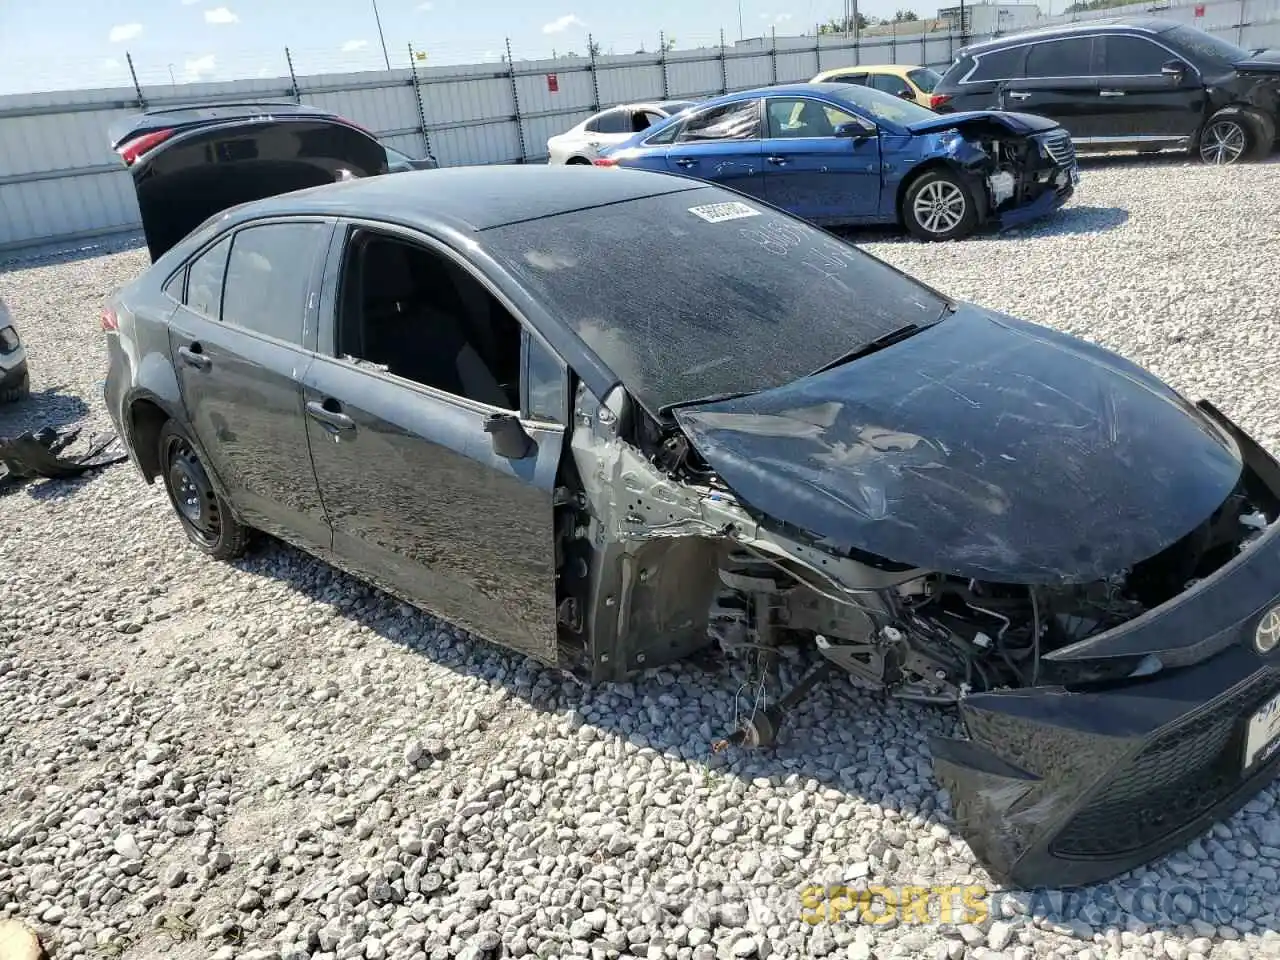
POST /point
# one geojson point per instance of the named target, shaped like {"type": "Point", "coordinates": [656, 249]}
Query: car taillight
{"type": "Point", "coordinates": [938, 99]}
{"type": "Point", "coordinates": [604, 162]}
{"type": "Point", "coordinates": [110, 322]}
{"type": "Point", "coordinates": [131, 151]}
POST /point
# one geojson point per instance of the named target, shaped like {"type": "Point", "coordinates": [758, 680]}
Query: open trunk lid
{"type": "Point", "coordinates": [192, 163]}
{"type": "Point", "coordinates": [983, 447]}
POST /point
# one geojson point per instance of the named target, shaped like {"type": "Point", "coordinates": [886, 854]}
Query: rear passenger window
{"type": "Point", "coordinates": [733, 121]}
{"type": "Point", "coordinates": [615, 121]}
{"type": "Point", "coordinates": [204, 280]}
{"type": "Point", "coordinates": [1061, 58]}
{"type": "Point", "coordinates": [1000, 65]}
{"type": "Point", "coordinates": [1132, 57]}
{"type": "Point", "coordinates": [268, 277]}
{"type": "Point", "coordinates": [858, 78]}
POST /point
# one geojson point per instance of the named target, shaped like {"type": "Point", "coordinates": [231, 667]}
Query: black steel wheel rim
{"type": "Point", "coordinates": [190, 492]}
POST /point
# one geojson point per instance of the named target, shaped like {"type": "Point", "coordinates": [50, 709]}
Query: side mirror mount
{"type": "Point", "coordinates": [1173, 70]}
{"type": "Point", "coordinates": [508, 437]}
{"type": "Point", "coordinates": [853, 131]}
{"type": "Point", "coordinates": [906, 94]}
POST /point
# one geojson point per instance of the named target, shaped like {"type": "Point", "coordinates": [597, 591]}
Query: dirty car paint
{"type": "Point", "coordinates": [983, 447]}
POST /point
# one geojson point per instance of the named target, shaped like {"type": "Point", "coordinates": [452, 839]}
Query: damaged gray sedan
{"type": "Point", "coordinates": [466, 387]}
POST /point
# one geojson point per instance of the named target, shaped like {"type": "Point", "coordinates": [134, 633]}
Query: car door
{"type": "Point", "coordinates": [423, 491]}
{"type": "Point", "coordinates": [1060, 82]}
{"type": "Point", "coordinates": [1137, 99]}
{"type": "Point", "coordinates": [721, 144]}
{"type": "Point", "coordinates": [241, 341]}
{"type": "Point", "coordinates": [811, 172]}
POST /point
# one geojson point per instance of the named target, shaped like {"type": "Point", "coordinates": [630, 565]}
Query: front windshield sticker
{"type": "Point", "coordinates": [720, 212]}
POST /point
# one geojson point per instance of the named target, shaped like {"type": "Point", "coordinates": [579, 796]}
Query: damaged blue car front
{"type": "Point", "coordinates": [842, 154]}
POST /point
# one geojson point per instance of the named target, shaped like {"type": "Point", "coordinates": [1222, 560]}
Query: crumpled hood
{"type": "Point", "coordinates": [1020, 123]}
{"type": "Point", "coordinates": [1268, 61]}
{"type": "Point", "coordinates": [981, 447]}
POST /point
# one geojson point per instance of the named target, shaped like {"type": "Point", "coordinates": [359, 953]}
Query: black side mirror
{"type": "Point", "coordinates": [508, 437]}
{"type": "Point", "coordinates": [906, 94]}
{"type": "Point", "coordinates": [1173, 69]}
{"type": "Point", "coordinates": [852, 131]}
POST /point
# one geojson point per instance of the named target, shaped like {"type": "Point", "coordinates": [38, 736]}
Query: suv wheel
{"type": "Point", "coordinates": [939, 206]}
{"type": "Point", "coordinates": [1234, 134]}
{"type": "Point", "coordinates": [204, 515]}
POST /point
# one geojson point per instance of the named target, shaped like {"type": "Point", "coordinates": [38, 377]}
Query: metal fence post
{"type": "Point", "coordinates": [293, 77]}
{"type": "Point", "coordinates": [773, 52]}
{"type": "Point", "coordinates": [662, 60]}
{"type": "Point", "coordinates": [817, 45]}
{"type": "Point", "coordinates": [724, 68]}
{"type": "Point", "coordinates": [595, 80]}
{"type": "Point", "coordinates": [417, 95]}
{"type": "Point", "coordinates": [1240, 26]}
{"type": "Point", "coordinates": [515, 99]}
{"type": "Point", "coordinates": [137, 87]}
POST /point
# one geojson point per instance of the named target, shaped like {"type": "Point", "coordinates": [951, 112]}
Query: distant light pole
{"type": "Point", "coordinates": [741, 35]}
{"type": "Point", "coordinates": [378, 20]}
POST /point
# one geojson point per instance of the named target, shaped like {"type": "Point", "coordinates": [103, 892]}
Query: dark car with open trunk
{"type": "Point", "coordinates": [464, 387]}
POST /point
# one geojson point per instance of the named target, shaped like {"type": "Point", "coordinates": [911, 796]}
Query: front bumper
{"type": "Point", "coordinates": [1043, 205]}
{"type": "Point", "coordinates": [1061, 788]}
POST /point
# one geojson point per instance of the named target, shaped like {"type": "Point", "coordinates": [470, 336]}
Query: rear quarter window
{"type": "Point", "coordinates": [204, 280]}
{"type": "Point", "coordinates": [1006, 64]}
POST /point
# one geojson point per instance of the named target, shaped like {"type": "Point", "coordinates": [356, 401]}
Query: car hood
{"type": "Point", "coordinates": [1266, 61]}
{"type": "Point", "coordinates": [984, 447]}
{"type": "Point", "coordinates": [1020, 123]}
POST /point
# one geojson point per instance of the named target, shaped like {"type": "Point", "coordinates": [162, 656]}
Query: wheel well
{"type": "Point", "coordinates": [145, 421]}
{"type": "Point", "coordinates": [578, 161]}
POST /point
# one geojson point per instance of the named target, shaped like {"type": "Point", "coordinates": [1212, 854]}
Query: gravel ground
{"type": "Point", "coordinates": [271, 760]}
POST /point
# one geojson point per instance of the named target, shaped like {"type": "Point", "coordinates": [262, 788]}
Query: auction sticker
{"type": "Point", "coordinates": [720, 212]}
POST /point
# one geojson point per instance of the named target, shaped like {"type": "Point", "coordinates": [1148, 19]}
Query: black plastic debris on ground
{"type": "Point", "coordinates": [30, 456]}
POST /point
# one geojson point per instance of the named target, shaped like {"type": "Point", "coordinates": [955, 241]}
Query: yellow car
{"type": "Point", "coordinates": [900, 79]}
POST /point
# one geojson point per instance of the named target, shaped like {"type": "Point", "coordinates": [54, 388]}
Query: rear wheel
{"type": "Point", "coordinates": [1234, 134]}
{"type": "Point", "coordinates": [204, 515]}
{"type": "Point", "coordinates": [939, 206]}
{"type": "Point", "coordinates": [578, 162]}
{"type": "Point", "coordinates": [18, 391]}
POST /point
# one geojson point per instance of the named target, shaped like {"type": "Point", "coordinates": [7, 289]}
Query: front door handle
{"type": "Point", "coordinates": [193, 356]}
{"type": "Point", "coordinates": [685, 162]}
{"type": "Point", "coordinates": [1111, 93]}
{"type": "Point", "coordinates": [778, 161]}
{"type": "Point", "coordinates": [1018, 95]}
{"type": "Point", "coordinates": [330, 414]}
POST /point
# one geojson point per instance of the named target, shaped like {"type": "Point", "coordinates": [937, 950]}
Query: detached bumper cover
{"type": "Point", "coordinates": [1041, 206]}
{"type": "Point", "coordinates": [1059, 788]}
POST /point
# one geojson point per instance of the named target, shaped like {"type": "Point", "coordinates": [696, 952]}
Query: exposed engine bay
{"type": "Point", "coordinates": [1017, 169]}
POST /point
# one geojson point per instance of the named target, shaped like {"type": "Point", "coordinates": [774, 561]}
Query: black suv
{"type": "Point", "coordinates": [1126, 84]}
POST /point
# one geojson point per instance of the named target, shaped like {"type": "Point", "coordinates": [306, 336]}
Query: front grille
{"type": "Point", "coordinates": [1182, 774]}
{"type": "Point", "coordinates": [1057, 144]}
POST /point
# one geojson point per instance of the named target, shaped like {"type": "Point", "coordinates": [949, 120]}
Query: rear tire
{"type": "Point", "coordinates": [20, 391]}
{"type": "Point", "coordinates": [205, 517]}
{"type": "Point", "coordinates": [577, 162]}
{"type": "Point", "coordinates": [939, 205]}
{"type": "Point", "coordinates": [1235, 135]}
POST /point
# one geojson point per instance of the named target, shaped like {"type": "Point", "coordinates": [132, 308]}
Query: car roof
{"type": "Point", "coordinates": [1151, 25]}
{"type": "Point", "coordinates": [472, 198]}
{"type": "Point", "coordinates": [195, 114]}
{"type": "Point", "coordinates": [898, 69]}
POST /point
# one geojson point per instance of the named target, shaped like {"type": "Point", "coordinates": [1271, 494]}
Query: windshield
{"type": "Point", "coordinates": [702, 293]}
{"type": "Point", "coordinates": [924, 78]}
{"type": "Point", "coordinates": [1205, 46]}
{"type": "Point", "coordinates": [883, 106]}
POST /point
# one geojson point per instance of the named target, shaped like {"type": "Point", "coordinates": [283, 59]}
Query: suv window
{"type": "Point", "coordinates": [1132, 57]}
{"type": "Point", "coordinates": [797, 118]}
{"type": "Point", "coordinates": [1006, 64]}
{"type": "Point", "coordinates": [733, 121]}
{"type": "Point", "coordinates": [1072, 57]}
{"type": "Point", "coordinates": [204, 280]}
{"type": "Point", "coordinates": [611, 121]}
{"type": "Point", "coordinates": [268, 276]}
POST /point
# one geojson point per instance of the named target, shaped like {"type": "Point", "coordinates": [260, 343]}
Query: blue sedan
{"type": "Point", "coordinates": [838, 154]}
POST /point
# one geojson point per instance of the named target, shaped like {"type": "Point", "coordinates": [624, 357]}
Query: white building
{"type": "Point", "coordinates": [987, 17]}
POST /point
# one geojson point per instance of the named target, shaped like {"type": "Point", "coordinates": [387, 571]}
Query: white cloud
{"type": "Point", "coordinates": [110, 64]}
{"type": "Point", "coordinates": [197, 68]}
{"type": "Point", "coordinates": [124, 31]}
{"type": "Point", "coordinates": [220, 15]}
{"type": "Point", "coordinates": [426, 7]}
{"type": "Point", "coordinates": [351, 46]}
{"type": "Point", "coordinates": [780, 18]}
{"type": "Point", "coordinates": [561, 24]}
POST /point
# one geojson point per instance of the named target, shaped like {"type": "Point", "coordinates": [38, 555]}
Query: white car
{"type": "Point", "coordinates": [14, 382]}
{"type": "Point", "coordinates": [582, 144]}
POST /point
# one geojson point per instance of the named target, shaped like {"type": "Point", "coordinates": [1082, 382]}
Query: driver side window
{"type": "Point", "coordinates": [798, 118]}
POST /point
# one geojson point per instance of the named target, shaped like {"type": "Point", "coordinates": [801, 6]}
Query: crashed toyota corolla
{"type": "Point", "coordinates": [490, 409]}
{"type": "Point", "coordinates": [844, 154]}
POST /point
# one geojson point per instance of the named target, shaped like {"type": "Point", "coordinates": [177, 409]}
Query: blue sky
{"type": "Point", "coordinates": [74, 43]}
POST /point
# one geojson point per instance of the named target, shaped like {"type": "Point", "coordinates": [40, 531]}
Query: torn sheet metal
{"type": "Point", "coordinates": [981, 447]}
{"type": "Point", "coordinates": [29, 456]}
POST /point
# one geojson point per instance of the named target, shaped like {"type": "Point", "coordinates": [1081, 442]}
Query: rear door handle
{"type": "Point", "coordinates": [193, 356]}
{"type": "Point", "coordinates": [1111, 93]}
{"type": "Point", "coordinates": [1018, 95]}
{"type": "Point", "coordinates": [330, 414]}
{"type": "Point", "coordinates": [778, 161]}
{"type": "Point", "coordinates": [685, 162]}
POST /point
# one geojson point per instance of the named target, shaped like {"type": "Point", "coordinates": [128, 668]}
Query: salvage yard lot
{"type": "Point", "coordinates": [273, 760]}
